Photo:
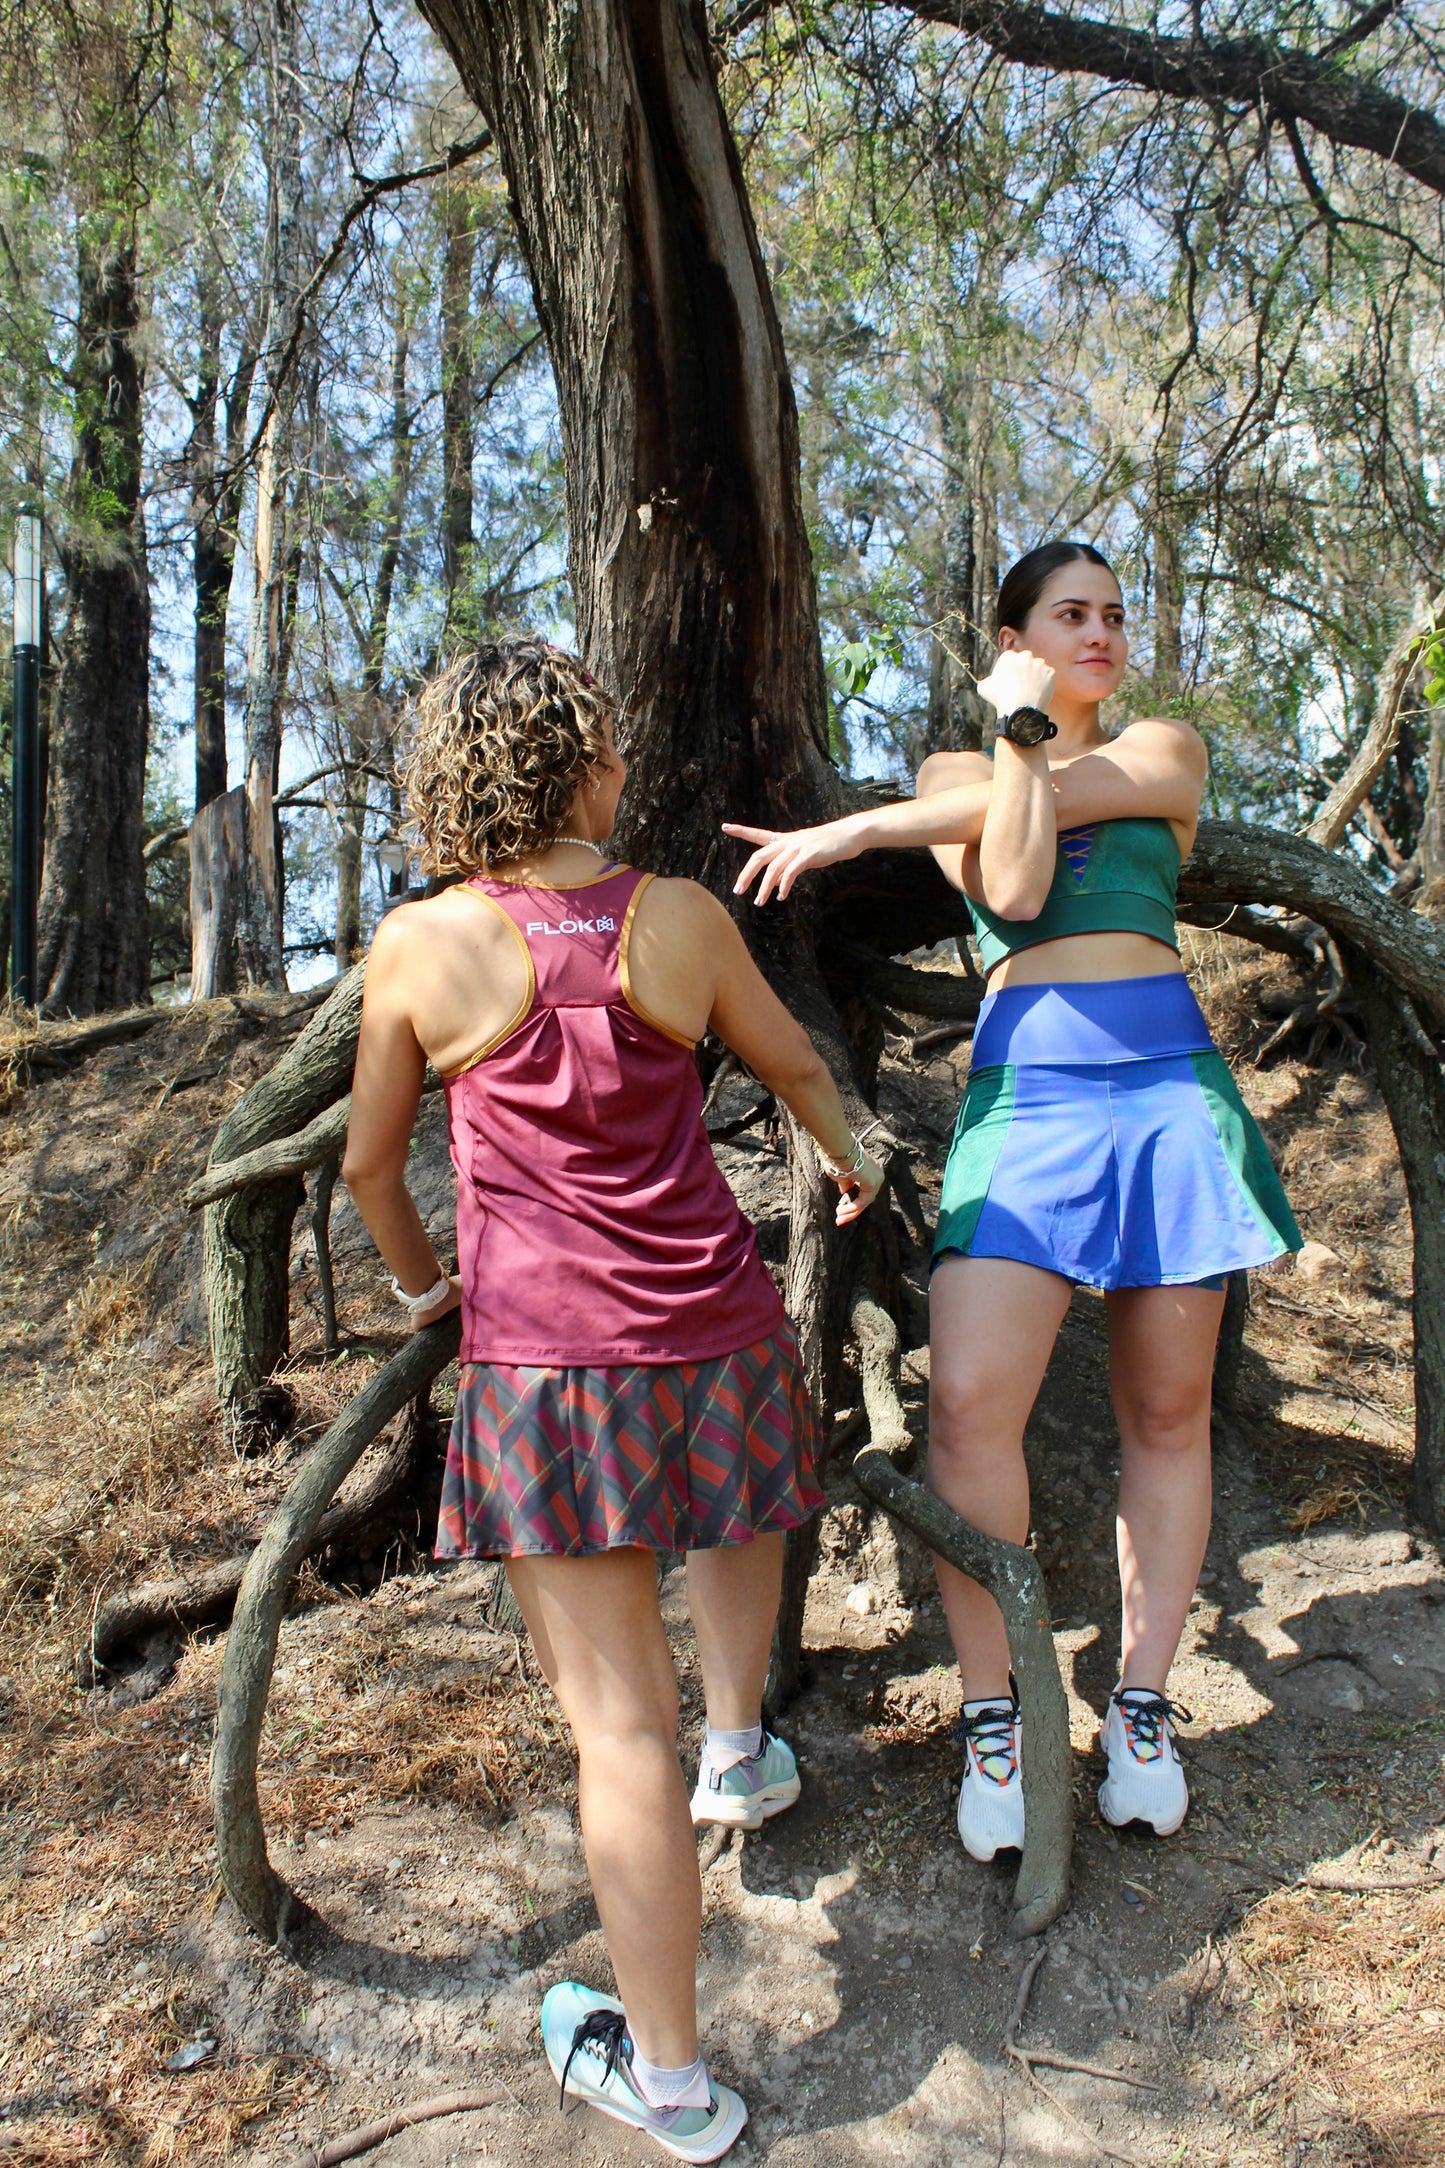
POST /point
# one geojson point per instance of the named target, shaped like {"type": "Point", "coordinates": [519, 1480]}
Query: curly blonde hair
{"type": "Point", "coordinates": [504, 738]}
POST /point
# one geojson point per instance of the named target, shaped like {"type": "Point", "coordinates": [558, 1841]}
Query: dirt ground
{"type": "Point", "coordinates": [1267, 1987]}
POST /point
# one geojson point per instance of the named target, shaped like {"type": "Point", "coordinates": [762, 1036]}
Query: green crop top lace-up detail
{"type": "Point", "coordinates": [1116, 876]}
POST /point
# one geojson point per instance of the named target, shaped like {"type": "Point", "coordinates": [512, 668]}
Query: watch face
{"type": "Point", "coordinates": [1029, 726]}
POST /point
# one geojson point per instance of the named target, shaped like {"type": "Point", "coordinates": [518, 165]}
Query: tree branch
{"type": "Point", "coordinates": [1306, 87]}
{"type": "Point", "coordinates": [1359, 779]}
{"type": "Point", "coordinates": [1232, 863]}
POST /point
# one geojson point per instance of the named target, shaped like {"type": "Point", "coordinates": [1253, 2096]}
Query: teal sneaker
{"type": "Point", "coordinates": [746, 1795]}
{"type": "Point", "coordinates": [585, 2037]}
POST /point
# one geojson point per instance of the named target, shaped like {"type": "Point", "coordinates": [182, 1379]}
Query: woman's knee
{"type": "Point", "coordinates": [609, 1707]}
{"type": "Point", "coordinates": [963, 1415]}
{"type": "Point", "coordinates": [1165, 1419]}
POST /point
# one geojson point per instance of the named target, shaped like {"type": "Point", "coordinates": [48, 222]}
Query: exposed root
{"type": "Point", "coordinates": [353, 2143]}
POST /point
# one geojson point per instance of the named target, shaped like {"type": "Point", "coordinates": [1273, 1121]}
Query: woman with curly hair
{"type": "Point", "coordinates": [629, 1383]}
{"type": "Point", "coordinates": [1101, 1140]}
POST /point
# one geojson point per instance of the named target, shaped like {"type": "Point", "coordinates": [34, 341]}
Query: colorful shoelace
{"type": "Point", "coordinates": [1145, 1716]}
{"type": "Point", "coordinates": [991, 1733]}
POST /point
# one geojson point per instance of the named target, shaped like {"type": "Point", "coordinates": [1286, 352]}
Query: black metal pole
{"type": "Point", "coordinates": [25, 828]}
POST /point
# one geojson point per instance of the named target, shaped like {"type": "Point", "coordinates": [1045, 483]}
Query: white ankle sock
{"type": "Point", "coordinates": [685, 2088]}
{"type": "Point", "coordinates": [725, 1749]}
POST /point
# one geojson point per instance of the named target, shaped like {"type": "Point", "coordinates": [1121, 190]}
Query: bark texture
{"type": "Point", "coordinates": [1235, 864]}
{"type": "Point", "coordinates": [248, 1234]}
{"type": "Point", "coordinates": [1407, 1064]}
{"type": "Point", "coordinates": [260, 918]}
{"type": "Point", "coordinates": [218, 852]}
{"type": "Point", "coordinates": [690, 565]}
{"type": "Point", "coordinates": [93, 939]}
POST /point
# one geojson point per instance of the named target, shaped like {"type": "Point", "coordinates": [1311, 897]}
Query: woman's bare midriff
{"type": "Point", "coordinates": [1087, 957]}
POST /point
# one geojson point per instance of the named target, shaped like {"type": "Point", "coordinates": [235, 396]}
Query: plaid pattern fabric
{"type": "Point", "coordinates": [668, 1456]}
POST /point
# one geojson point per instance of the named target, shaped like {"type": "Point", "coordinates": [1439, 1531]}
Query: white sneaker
{"type": "Point", "coordinates": [584, 2035]}
{"type": "Point", "coordinates": [991, 1797]}
{"type": "Point", "coordinates": [1146, 1777]}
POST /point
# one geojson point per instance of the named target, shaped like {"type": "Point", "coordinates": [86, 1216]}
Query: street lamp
{"type": "Point", "coordinates": [25, 773]}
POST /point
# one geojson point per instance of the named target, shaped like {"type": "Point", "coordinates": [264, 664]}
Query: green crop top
{"type": "Point", "coordinates": [1111, 877]}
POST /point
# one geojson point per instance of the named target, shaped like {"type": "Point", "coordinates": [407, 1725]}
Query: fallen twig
{"type": "Point", "coordinates": [352, 2143]}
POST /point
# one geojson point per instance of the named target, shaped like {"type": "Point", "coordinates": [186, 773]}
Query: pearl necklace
{"type": "Point", "coordinates": [597, 847]}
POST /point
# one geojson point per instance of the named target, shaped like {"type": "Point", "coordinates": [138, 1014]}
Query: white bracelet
{"type": "Point", "coordinates": [417, 1305]}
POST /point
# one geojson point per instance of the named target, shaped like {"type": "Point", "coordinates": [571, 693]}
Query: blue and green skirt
{"type": "Point", "coordinates": [1103, 1138]}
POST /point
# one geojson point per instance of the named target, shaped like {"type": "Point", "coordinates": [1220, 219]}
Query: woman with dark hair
{"type": "Point", "coordinates": [1101, 1140]}
{"type": "Point", "coordinates": [629, 1383]}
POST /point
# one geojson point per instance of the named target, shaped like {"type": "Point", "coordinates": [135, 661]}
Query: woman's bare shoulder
{"type": "Point", "coordinates": [947, 771]}
{"type": "Point", "coordinates": [1162, 738]}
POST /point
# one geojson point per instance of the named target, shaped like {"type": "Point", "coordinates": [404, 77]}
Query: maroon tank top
{"type": "Point", "coordinates": [593, 1223]}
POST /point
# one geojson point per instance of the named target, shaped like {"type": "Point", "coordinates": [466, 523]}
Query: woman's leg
{"type": "Point", "coordinates": [1161, 1362]}
{"type": "Point", "coordinates": [993, 1326]}
{"type": "Point", "coordinates": [599, 1638]}
{"type": "Point", "coordinates": [732, 1594]}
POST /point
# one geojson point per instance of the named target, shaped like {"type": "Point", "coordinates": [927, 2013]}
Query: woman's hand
{"type": "Point", "coordinates": [1018, 680]}
{"type": "Point", "coordinates": [784, 853]}
{"type": "Point", "coordinates": [858, 1189]}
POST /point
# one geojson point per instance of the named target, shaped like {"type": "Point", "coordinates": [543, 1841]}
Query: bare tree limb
{"type": "Point", "coordinates": [1359, 779]}
{"type": "Point", "coordinates": [1311, 87]}
{"type": "Point", "coordinates": [268, 1907]}
{"type": "Point", "coordinates": [1233, 863]}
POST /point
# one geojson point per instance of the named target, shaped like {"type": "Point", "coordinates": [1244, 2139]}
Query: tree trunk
{"type": "Point", "coordinates": [215, 507]}
{"type": "Point", "coordinates": [1431, 898]}
{"type": "Point", "coordinates": [93, 933]}
{"type": "Point", "coordinates": [1167, 552]}
{"type": "Point", "coordinates": [367, 728]}
{"type": "Point", "coordinates": [970, 572]}
{"type": "Point", "coordinates": [459, 436]}
{"type": "Point", "coordinates": [691, 574]}
{"type": "Point", "coordinates": [260, 918]}
{"type": "Point", "coordinates": [1408, 1068]}
{"type": "Point", "coordinates": [218, 851]}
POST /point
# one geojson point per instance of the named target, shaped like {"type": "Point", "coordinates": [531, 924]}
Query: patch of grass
{"type": "Point", "coordinates": [1353, 1988]}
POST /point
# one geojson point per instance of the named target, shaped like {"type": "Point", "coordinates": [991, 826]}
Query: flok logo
{"type": "Point", "coordinates": [572, 925]}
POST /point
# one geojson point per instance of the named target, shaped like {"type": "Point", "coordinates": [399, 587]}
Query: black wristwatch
{"type": "Point", "coordinates": [1027, 727]}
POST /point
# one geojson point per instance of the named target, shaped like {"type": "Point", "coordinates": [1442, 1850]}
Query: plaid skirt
{"type": "Point", "coordinates": [561, 1462]}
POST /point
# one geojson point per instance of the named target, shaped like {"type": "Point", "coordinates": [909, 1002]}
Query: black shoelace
{"type": "Point", "coordinates": [1147, 1714]}
{"type": "Point", "coordinates": [992, 1733]}
{"type": "Point", "coordinates": [598, 2030]}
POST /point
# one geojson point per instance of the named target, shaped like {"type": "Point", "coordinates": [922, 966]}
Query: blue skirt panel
{"type": "Point", "coordinates": [1125, 1159]}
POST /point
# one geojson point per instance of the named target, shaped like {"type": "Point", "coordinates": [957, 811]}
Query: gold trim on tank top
{"type": "Point", "coordinates": [514, 1022]}
{"type": "Point", "coordinates": [626, 976]}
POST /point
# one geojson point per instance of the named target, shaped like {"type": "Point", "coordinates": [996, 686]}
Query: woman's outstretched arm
{"type": "Point", "coordinates": [1152, 770]}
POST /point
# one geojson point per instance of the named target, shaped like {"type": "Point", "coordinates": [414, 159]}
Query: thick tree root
{"type": "Point", "coordinates": [269, 1908]}
{"type": "Point", "coordinates": [127, 1620]}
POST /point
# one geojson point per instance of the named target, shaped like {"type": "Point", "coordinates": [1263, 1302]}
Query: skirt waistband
{"type": "Point", "coordinates": [1084, 1022]}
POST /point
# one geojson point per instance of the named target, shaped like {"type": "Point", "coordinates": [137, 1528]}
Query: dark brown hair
{"type": "Point", "coordinates": [1024, 582]}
